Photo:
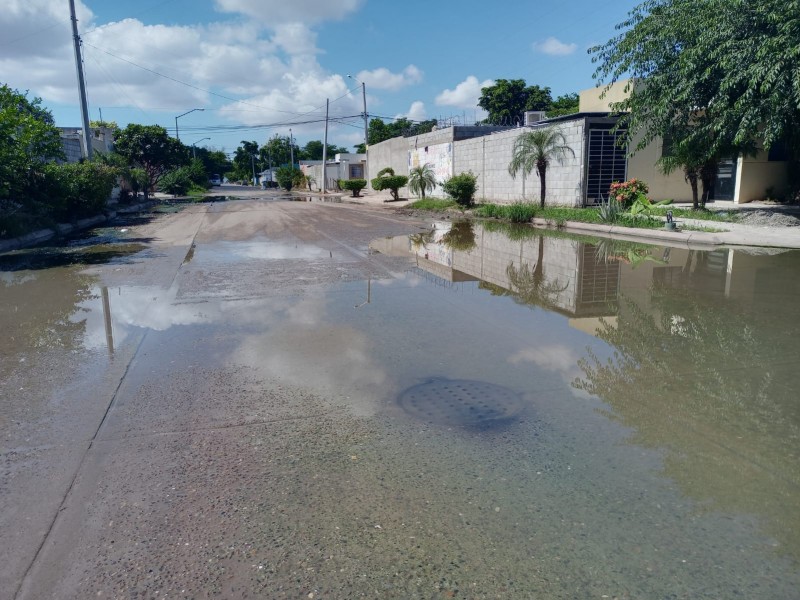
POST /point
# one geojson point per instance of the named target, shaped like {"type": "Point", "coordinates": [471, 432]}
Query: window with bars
{"type": "Point", "coordinates": [607, 163]}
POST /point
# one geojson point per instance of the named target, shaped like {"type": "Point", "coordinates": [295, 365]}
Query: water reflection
{"type": "Point", "coordinates": [704, 345]}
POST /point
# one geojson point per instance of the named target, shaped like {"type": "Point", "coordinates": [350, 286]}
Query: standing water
{"type": "Point", "coordinates": [497, 413]}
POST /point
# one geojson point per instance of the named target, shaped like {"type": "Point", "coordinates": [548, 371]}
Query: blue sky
{"type": "Point", "coordinates": [259, 67]}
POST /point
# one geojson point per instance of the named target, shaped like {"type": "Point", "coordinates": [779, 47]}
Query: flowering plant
{"type": "Point", "coordinates": [627, 192]}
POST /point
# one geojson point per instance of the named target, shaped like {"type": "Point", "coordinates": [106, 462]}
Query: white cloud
{"type": "Point", "coordinates": [383, 79]}
{"type": "Point", "coordinates": [465, 94]}
{"type": "Point", "coordinates": [299, 11]}
{"type": "Point", "coordinates": [416, 112]}
{"type": "Point", "coordinates": [554, 47]}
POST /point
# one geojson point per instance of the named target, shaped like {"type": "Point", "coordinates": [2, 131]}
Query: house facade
{"type": "Point", "coordinates": [597, 160]}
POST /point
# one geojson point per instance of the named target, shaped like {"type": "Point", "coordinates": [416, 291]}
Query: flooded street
{"type": "Point", "coordinates": [273, 399]}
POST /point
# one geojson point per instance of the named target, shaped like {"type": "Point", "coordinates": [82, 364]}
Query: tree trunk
{"type": "Point", "coordinates": [691, 177]}
{"type": "Point", "coordinates": [543, 184]}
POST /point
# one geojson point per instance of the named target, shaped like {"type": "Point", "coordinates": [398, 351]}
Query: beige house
{"type": "Point", "coordinates": [741, 179]}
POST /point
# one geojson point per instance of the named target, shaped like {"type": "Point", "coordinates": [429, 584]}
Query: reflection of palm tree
{"type": "Point", "coordinates": [421, 240]}
{"type": "Point", "coordinates": [530, 286]}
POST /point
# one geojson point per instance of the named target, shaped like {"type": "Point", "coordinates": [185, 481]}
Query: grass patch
{"type": "Point", "coordinates": [435, 204]}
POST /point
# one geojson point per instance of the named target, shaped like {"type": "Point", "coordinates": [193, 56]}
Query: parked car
{"type": "Point", "coordinates": [216, 180]}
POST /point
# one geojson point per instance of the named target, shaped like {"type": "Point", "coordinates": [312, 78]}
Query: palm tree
{"type": "Point", "coordinates": [421, 179]}
{"type": "Point", "coordinates": [538, 148]}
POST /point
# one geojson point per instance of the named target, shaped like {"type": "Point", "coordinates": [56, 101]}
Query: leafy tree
{"type": "Point", "coordinates": [387, 180]}
{"type": "Point", "coordinates": [379, 131]}
{"type": "Point", "coordinates": [151, 149]}
{"type": "Point", "coordinates": [244, 159]}
{"type": "Point", "coordinates": [718, 75]}
{"type": "Point", "coordinates": [567, 104]}
{"type": "Point", "coordinates": [214, 161]}
{"type": "Point", "coordinates": [507, 100]}
{"type": "Point", "coordinates": [313, 151]}
{"type": "Point", "coordinates": [107, 124]}
{"type": "Point", "coordinates": [421, 179]}
{"type": "Point", "coordinates": [360, 148]}
{"type": "Point", "coordinates": [538, 148]}
{"type": "Point", "coordinates": [354, 185]}
{"type": "Point", "coordinates": [28, 139]}
{"type": "Point", "coordinates": [278, 151]}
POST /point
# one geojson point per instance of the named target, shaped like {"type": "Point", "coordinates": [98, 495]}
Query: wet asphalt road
{"type": "Point", "coordinates": [153, 465]}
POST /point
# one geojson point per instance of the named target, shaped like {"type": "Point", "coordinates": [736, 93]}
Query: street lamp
{"type": "Point", "coordinates": [364, 98]}
{"type": "Point", "coordinates": [183, 115]}
{"type": "Point", "coordinates": [194, 150]}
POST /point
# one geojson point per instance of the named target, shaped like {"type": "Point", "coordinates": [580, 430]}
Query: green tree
{"type": "Point", "coordinates": [387, 180]}
{"type": "Point", "coordinates": [313, 151]}
{"type": "Point", "coordinates": [721, 72]}
{"type": "Point", "coordinates": [151, 149]}
{"type": "Point", "coordinates": [507, 100]}
{"type": "Point", "coordinates": [278, 152]}
{"type": "Point", "coordinates": [379, 131]}
{"type": "Point", "coordinates": [421, 179]}
{"type": "Point", "coordinates": [538, 148]}
{"type": "Point", "coordinates": [567, 104]}
{"type": "Point", "coordinates": [28, 140]}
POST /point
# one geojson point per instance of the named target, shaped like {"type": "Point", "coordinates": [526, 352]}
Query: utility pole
{"type": "Point", "coordinates": [366, 125]}
{"type": "Point", "coordinates": [76, 40]}
{"type": "Point", "coordinates": [291, 146]}
{"type": "Point", "coordinates": [325, 147]}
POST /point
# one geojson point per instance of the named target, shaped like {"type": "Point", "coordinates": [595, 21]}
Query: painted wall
{"type": "Point", "coordinates": [756, 174]}
{"type": "Point", "coordinates": [644, 165]}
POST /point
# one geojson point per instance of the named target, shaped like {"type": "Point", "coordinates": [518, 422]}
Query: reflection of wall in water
{"type": "Point", "coordinates": [580, 283]}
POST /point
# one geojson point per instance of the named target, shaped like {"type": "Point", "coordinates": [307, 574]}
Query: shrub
{"type": "Point", "coordinates": [490, 210]}
{"type": "Point", "coordinates": [354, 185]}
{"type": "Point", "coordinates": [288, 177]}
{"type": "Point", "coordinates": [461, 188]}
{"type": "Point", "coordinates": [176, 182]}
{"type": "Point", "coordinates": [610, 211]}
{"type": "Point", "coordinates": [627, 192]}
{"type": "Point", "coordinates": [390, 182]}
{"type": "Point", "coordinates": [75, 190]}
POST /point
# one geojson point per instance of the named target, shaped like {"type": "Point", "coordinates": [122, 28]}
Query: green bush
{"type": "Point", "coordinates": [491, 211]}
{"type": "Point", "coordinates": [393, 183]}
{"type": "Point", "coordinates": [75, 190]}
{"type": "Point", "coordinates": [354, 185]}
{"type": "Point", "coordinates": [462, 188]}
{"type": "Point", "coordinates": [289, 177]}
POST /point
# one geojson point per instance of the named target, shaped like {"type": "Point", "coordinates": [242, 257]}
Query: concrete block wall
{"type": "Point", "coordinates": [489, 156]}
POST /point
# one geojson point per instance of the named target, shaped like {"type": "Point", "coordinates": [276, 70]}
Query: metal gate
{"type": "Point", "coordinates": [608, 162]}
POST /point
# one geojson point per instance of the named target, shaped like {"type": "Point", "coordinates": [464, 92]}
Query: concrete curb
{"type": "Point", "coordinates": [692, 239]}
{"type": "Point", "coordinates": [62, 229]}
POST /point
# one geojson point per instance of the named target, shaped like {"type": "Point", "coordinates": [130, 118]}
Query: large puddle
{"type": "Point", "coordinates": [551, 416]}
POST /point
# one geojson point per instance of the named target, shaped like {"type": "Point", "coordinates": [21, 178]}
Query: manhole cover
{"type": "Point", "coordinates": [461, 402]}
